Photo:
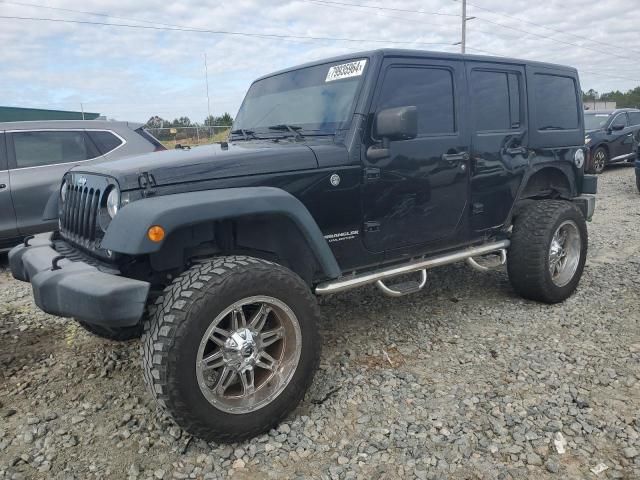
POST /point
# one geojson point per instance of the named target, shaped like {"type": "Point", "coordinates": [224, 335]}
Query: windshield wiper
{"type": "Point", "coordinates": [245, 133]}
{"type": "Point", "coordinates": [291, 128]}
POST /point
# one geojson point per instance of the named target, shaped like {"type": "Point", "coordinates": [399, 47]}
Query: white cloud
{"type": "Point", "coordinates": [133, 73]}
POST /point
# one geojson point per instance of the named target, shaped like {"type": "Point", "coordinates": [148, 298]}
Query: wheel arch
{"type": "Point", "coordinates": [549, 181]}
{"type": "Point", "coordinates": [266, 222]}
{"type": "Point", "coordinates": [543, 182]}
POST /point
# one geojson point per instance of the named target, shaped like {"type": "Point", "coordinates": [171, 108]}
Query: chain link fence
{"type": "Point", "coordinates": [191, 136]}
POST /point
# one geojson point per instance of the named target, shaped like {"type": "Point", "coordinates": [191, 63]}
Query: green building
{"type": "Point", "coordinates": [17, 114]}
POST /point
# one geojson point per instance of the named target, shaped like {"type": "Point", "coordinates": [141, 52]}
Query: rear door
{"type": "Point", "coordinates": [499, 140]}
{"type": "Point", "coordinates": [8, 227]}
{"type": "Point", "coordinates": [37, 161]}
{"type": "Point", "coordinates": [418, 195]}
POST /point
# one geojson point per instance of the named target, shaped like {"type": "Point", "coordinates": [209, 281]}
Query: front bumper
{"type": "Point", "coordinates": [77, 289]}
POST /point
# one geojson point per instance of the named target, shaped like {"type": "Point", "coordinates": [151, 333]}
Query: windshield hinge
{"type": "Point", "coordinates": [147, 181]}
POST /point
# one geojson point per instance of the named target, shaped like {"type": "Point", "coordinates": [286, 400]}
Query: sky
{"type": "Point", "coordinates": [131, 74]}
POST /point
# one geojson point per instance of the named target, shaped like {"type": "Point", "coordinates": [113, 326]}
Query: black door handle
{"type": "Point", "coordinates": [3, 186]}
{"type": "Point", "coordinates": [455, 157]}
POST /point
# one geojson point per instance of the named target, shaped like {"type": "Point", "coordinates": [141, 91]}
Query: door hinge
{"type": "Point", "coordinates": [371, 174]}
{"type": "Point", "coordinates": [370, 227]}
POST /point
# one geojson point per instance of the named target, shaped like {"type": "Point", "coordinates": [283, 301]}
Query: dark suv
{"type": "Point", "coordinates": [364, 169]}
{"type": "Point", "coordinates": [611, 136]}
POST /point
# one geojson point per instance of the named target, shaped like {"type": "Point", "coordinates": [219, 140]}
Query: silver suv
{"type": "Point", "coordinates": [34, 156]}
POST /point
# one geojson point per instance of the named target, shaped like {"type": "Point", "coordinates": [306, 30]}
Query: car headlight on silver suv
{"type": "Point", "coordinates": [113, 202]}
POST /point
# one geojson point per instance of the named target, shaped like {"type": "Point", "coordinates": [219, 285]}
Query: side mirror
{"type": "Point", "coordinates": [399, 123]}
{"type": "Point", "coordinates": [617, 127]}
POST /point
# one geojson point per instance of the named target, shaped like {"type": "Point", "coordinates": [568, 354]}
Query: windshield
{"type": "Point", "coordinates": [595, 121]}
{"type": "Point", "coordinates": [313, 99]}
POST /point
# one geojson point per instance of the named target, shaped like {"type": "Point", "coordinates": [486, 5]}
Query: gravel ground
{"type": "Point", "coordinates": [464, 380]}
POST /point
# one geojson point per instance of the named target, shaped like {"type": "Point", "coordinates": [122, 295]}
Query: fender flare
{"type": "Point", "coordinates": [127, 232]}
{"type": "Point", "coordinates": [565, 168]}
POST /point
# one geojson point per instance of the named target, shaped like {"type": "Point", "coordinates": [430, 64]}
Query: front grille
{"type": "Point", "coordinates": [80, 213]}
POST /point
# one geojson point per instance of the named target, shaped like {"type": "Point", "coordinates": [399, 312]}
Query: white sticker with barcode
{"type": "Point", "coordinates": [346, 70]}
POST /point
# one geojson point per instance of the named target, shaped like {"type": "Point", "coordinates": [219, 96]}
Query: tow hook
{"type": "Point", "coordinates": [55, 261]}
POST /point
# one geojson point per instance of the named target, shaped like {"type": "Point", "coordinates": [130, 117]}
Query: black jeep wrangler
{"type": "Point", "coordinates": [362, 169]}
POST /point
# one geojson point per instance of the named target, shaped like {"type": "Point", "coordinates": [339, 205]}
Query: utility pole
{"type": "Point", "coordinates": [464, 26]}
{"type": "Point", "coordinates": [206, 76]}
{"type": "Point", "coordinates": [82, 109]}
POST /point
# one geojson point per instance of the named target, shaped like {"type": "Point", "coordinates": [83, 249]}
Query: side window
{"type": "Point", "coordinates": [620, 120]}
{"type": "Point", "coordinates": [634, 118]}
{"type": "Point", "coordinates": [35, 149]}
{"type": "Point", "coordinates": [428, 89]}
{"type": "Point", "coordinates": [496, 100]}
{"type": "Point", "coordinates": [556, 102]}
{"type": "Point", "coordinates": [105, 141]}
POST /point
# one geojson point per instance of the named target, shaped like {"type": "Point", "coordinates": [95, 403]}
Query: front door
{"type": "Point", "coordinates": [621, 137]}
{"type": "Point", "coordinates": [8, 229]}
{"type": "Point", "coordinates": [418, 194]}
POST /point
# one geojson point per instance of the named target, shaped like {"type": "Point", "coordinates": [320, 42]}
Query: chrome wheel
{"type": "Point", "coordinates": [599, 160]}
{"type": "Point", "coordinates": [249, 354]}
{"type": "Point", "coordinates": [564, 253]}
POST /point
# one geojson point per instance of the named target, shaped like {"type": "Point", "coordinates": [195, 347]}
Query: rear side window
{"type": "Point", "coordinates": [428, 89]}
{"type": "Point", "coordinates": [105, 141]}
{"type": "Point", "coordinates": [34, 149]}
{"type": "Point", "coordinates": [634, 118]}
{"type": "Point", "coordinates": [556, 102]}
{"type": "Point", "coordinates": [496, 100]}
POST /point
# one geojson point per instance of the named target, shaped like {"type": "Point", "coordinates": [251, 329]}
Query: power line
{"type": "Point", "coordinates": [562, 32]}
{"type": "Point", "coordinates": [219, 32]}
{"type": "Point", "coordinates": [392, 9]}
{"type": "Point", "coordinates": [545, 37]}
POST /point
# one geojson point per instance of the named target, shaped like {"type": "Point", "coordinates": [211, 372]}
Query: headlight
{"type": "Point", "coordinates": [587, 140]}
{"type": "Point", "coordinates": [113, 202]}
{"type": "Point", "coordinates": [63, 191]}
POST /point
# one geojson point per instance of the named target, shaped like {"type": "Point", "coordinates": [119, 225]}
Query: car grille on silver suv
{"type": "Point", "coordinates": [80, 212]}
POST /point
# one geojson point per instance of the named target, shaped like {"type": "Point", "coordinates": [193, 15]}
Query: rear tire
{"type": "Point", "coordinates": [118, 334]}
{"type": "Point", "coordinates": [232, 347]}
{"type": "Point", "coordinates": [599, 159]}
{"type": "Point", "coordinates": [548, 251]}
{"type": "Point", "coordinates": [638, 181]}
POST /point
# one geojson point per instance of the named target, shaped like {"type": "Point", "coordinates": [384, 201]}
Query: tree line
{"type": "Point", "coordinates": [211, 121]}
{"type": "Point", "coordinates": [629, 99]}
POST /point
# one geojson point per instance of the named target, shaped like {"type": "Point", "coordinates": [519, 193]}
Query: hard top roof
{"type": "Point", "coordinates": [392, 52]}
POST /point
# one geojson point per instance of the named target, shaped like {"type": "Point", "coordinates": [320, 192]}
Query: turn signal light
{"type": "Point", "coordinates": [156, 233]}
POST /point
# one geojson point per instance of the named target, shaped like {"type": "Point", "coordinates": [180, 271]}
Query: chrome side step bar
{"type": "Point", "coordinates": [404, 288]}
{"type": "Point", "coordinates": [347, 283]}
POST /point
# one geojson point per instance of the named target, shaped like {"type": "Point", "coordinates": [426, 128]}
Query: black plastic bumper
{"type": "Point", "coordinates": [77, 289]}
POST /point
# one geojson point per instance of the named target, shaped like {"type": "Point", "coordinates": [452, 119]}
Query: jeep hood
{"type": "Point", "coordinates": [206, 162]}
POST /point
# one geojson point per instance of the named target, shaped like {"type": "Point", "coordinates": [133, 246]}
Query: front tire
{"type": "Point", "coordinates": [548, 251]}
{"type": "Point", "coordinates": [232, 347]}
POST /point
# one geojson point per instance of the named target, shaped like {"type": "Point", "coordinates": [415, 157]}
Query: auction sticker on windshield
{"type": "Point", "coordinates": [346, 70]}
